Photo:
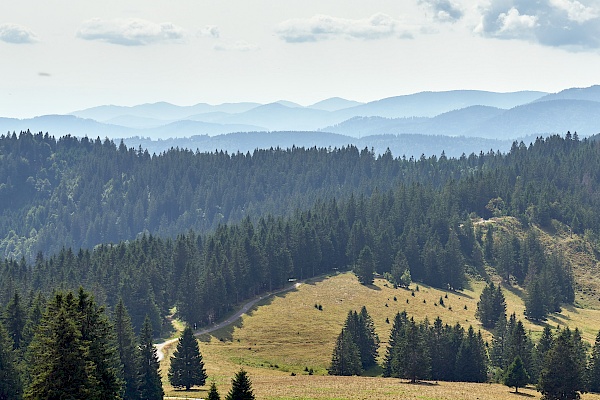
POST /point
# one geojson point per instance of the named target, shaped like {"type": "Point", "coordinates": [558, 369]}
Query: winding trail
{"type": "Point", "coordinates": [247, 306]}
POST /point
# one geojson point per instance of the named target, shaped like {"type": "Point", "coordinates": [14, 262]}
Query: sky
{"type": "Point", "coordinates": [59, 56]}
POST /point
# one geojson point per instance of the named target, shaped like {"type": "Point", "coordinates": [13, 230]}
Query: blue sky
{"type": "Point", "coordinates": [59, 56]}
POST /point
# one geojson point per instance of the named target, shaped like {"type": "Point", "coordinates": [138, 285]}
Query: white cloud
{"type": "Point", "coordinates": [240, 45]}
{"type": "Point", "coordinates": [569, 24]}
{"type": "Point", "coordinates": [17, 34]}
{"type": "Point", "coordinates": [444, 10]}
{"type": "Point", "coordinates": [324, 27]}
{"type": "Point", "coordinates": [130, 32]}
{"type": "Point", "coordinates": [514, 24]}
{"type": "Point", "coordinates": [210, 31]}
{"type": "Point", "coordinates": [575, 10]}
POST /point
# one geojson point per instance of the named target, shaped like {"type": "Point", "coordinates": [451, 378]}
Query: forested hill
{"type": "Point", "coordinates": [71, 192]}
{"type": "Point", "coordinates": [426, 228]}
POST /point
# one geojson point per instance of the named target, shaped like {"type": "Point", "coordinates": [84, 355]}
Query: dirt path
{"type": "Point", "coordinates": [247, 306]}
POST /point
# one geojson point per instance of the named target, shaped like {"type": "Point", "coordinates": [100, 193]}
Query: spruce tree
{"type": "Point", "coordinates": [562, 377]}
{"type": "Point", "coordinates": [213, 393]}
{"type": "Point", "coordinates": [241, 387]}
{"type": "Point", "coordinates": [516, 376]}
{"type": "Point", "coordinates": [345, 359]}
{"type": "Point", "coordinates": [187, 367]}
{"type": "Point", "coordinates": [491, 306]}
{"type": "Point", "coordinates": [129, 352]}
{"type": "Point", "coordinates": [365, 266]}
{"type": "Point", "coordinates": [369, 341]}
{"type": "Point", "coordinates": [400, 320]}
{"type": "Point", "coordinates": [10, 382]}
{"type": "Point", "coordinates": [594, 367]}
{"type": "Point", "coordinates": [15, 319]}
{"type": "Point", "coordinates": [57, 357]}
{"type": "Point", "coordinates": [150, 382]}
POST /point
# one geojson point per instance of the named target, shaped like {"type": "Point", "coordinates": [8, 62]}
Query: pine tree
{"type": "Point", "coordinates": [365, 266]}
{"type": "Point", "coordinates": [400, 320]}
{"type": "Point", "coordinates": [491, 306]}
{"type": "Point", "coordinates": [187, 367]}
{"type": "Point", "coordinates": [213, 393]}
{"type": "Point", "coordinates": [594, 367]}
{"type": "Point", "coordinates": [10, 383]}
{"type": "Point", "coordinates": [34, 318]}
{"type": "Point", "coordinates": [150, 382]}
{"type": "Point", "coordinates": [241, 387]}
{"type": "Point", "coordinates": [535, 301]}
{"type": "Point", "coordinates": [369, 341]}
{"type": "Point", "coordinates": [345, 359]}
{"type": "Point", "coordinates": [128, 351]}
{"type": "Point", "coordinates": [516, 376]}
{"type": "Point", "coordinates": [542, 348]}
{"type": "Point", "coordinates": [561, 378]}
{"type": "Point", "coordinates": [15, 320]}
{"type": "Point", "coordinates": [57, 356]}
{"type": "Point", "coordinates": [471, 362]}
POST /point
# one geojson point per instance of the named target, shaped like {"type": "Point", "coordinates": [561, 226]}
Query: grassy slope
{"type": "Point", "coordinates": [286, 333]}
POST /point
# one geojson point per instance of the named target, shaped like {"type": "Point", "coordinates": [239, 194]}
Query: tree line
{"type": "Point", "coordinates": [559, 364]}
{"type": "Point", "coordinates": [73, 349]}
{"type": "Point", "coordinates": [88, 192]}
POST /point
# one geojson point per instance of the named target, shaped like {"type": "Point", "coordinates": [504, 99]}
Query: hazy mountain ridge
{"type": "Point", "coordinates": [468, 113]}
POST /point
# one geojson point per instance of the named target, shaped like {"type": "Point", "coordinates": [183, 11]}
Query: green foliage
{"type": "Point", "coordinates": [241, 387]}
{"type": "Point", "coordinates": [346, 356]}
{"type": "Point", "coordinates": [128, 351]}
{"type": "Point", "coordinates": [74, 354]}
{"type": "Point", "coordinates": [187, 367]}
{"type": "Point", "coordinates": [365, 266]}
{"type": "Point", "coordinates": [516, 376]}
{"type": "Point", "coordinates": [15, 320]}
{"type": "Point", "coordinates": [594, 367]}
{"type": "Point", "coordinates": [213, 393]}
{"type": "Point", "coordinates": [562, 376]}
{"type": "Point", "coordinates": [10, 381]}
{"type": "Point", "coordinates": [491, 306]}
{"type": "Point", "coordinates": [150, 381]}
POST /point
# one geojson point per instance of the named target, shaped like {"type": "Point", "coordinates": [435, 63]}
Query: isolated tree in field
{"type": "Point", "coordinates": [516, 376]}
{"type": "Point", "coordinates": [150, 382]}
{"type": "Point", "coordinates": [346, 356]}
{"type": "Point", "coordinates": [10, 382]}
{"type": "Point", "coordinates": [213, 393]}
{"type": "Point", "coordinates": [594, 368]}
{"type": "Point", "coordinates": [128, 351]}
{"type": "Point", "coordinates": [535, 301]}
{"type": "Point", "coordinates": [365, 266]}
{"type": "Point", "coordinates": [491, 306]}
{"type": "Point", "coordinates": [187, 367]}
{"type": "Point", "coordinates": [562, 377]}
{"type": "Point", "coordinates": [241, 387]}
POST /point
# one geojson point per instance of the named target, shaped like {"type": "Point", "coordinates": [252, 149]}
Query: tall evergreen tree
{"type": "Point", "coordinates": [187, 367]}
{"type": "Point", "coordinates": [10, 381]}
{"type": "Point", "coordinates": [369, 341]}
{"type": "Point", "coordinates": [150, 382]}
{"type": "Point", "coordinates": [542, 348]}
{"type": "Point", "coordinates": [471, 362]}
{"type": "Point", "coordinates": [128, 351]}
{"type": "Point", "coordinates": [562, 377]}
{"type": "Point", "coordinates": [491, 306]}
{"type": "Point", "coordinates": [15, 319]}
{"type": "Point", "coordinates": [57, 356]}
{"type": "Point", "coordinates": [345, 359]}
{"type": "Point", "coordinates": [365, 266]}
{"type": "Point", "coordinates": [400, 320]}
{"type": "Point", "coordinates": [241, 387]}
{"type": "Point", "coordinates": [594, 368]}
{"type": "Point", "coordinates": [516, 376]}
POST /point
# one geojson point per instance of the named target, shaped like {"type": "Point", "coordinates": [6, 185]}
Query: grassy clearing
{"type": "Point", "coordinates": [287, 334]}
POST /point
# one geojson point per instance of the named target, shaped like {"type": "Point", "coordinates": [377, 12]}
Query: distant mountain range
{"type": "Point", "coordinates": [460, 113]}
